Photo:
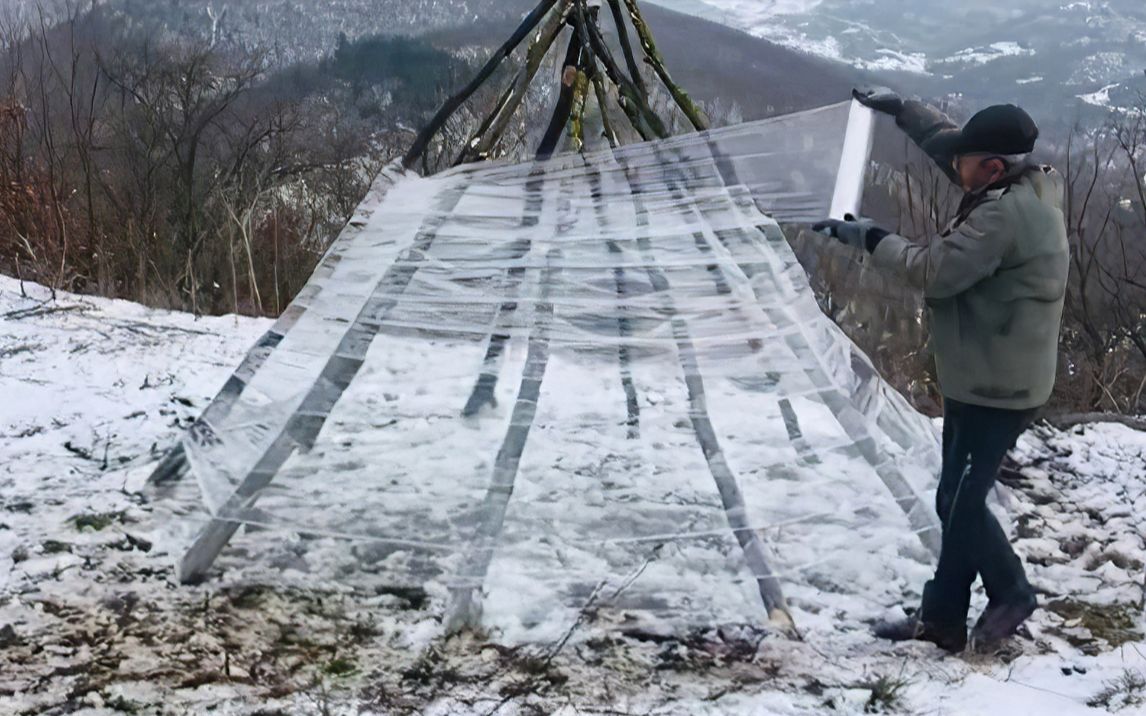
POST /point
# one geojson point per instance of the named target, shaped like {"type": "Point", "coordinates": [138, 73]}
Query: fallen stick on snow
{"type": "Point", "coordinates": [40, 310]}
{"type": "Point", "coordinates": [1066, 421]}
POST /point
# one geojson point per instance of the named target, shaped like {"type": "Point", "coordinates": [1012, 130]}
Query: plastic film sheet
{"type": "Point", "coordinates": [599, 377]}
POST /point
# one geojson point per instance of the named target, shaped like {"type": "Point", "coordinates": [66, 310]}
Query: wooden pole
{"type": "Point", "coordinates": [635, 105]}
{"type": "Point", "coordinates": [603, 104]}
{"type": "Point", "coordinates": [627, 47]}
{"type": "Point", "coordinates": [550, 29]}
{"type": "Point", "coordinates": [577, 123]}
{"type": "Point", "coordinates": [653, 56]}
{"type": "Point", "coordinates": [756, 554]}
{"type": "Point", "coordinates": [598, 85]}
{"type": "Point", "coordinates": [564, 106]}
{"type": "Point", "coordinates": [501, 102]}
{"type": "Point", "coordinates": [418, 148]}
{"type": "Point", "coordinates": [305, 422]}
{"type": "Point", "coordinates": [464, 608]}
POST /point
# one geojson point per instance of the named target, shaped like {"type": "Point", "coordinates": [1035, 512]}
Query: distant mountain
{"type": "Point", "coordinates": [749, 77]}
{"type": "Point", "coordinates": [1061, 59]}
{"type": "Point", "coordinates": [1051, 55]}
{"type": "Point", "coordinates": [303, 30]}
{"type": "Point", "coordinates": [713, 62]}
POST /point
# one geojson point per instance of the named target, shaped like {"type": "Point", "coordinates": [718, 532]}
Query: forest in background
{"type": "Point", "coordinates": [187, 171]}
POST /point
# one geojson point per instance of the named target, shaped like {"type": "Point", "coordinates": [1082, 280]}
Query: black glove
{"type": "Point", "coordinates": [860, 234]}
{"type": "Point", "coordinates": [881, 99]}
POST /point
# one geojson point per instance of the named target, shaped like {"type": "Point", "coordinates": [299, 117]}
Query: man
{"type": "Point", "coordinates": [994, 283]}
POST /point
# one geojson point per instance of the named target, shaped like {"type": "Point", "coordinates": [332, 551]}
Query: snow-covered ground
{"type": "Point", "coordinates": [91, 620]}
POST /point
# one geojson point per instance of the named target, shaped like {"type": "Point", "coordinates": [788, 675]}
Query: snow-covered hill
{"type": "Point", "coordinates": [92, 622]}
{"type": "Point", "coordinates": [305, 31]}
{"type": "Point", "coordinates": [1044, 54]}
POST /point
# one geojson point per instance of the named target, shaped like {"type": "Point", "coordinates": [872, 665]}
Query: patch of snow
{"type": "Point", "coordinates": [893, 61]}
{"type": "Point", "coordinates": [887, 60]}
{"type": "Point", "coordinates": [990, 53]}
{"type": "Point", "coordinates": [763, 20]}
{"type": "Point", "coordinates": [828, 47]}
{"type": "Point", "coordinates": [1029, 80]}
{"type": "Point", "coordinates": [1100, 98]}
{"type": "Point", "coordinates": [763, 11]}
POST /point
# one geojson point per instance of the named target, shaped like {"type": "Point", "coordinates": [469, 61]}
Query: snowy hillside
{"type": "Point", "coordinates": [92, 622]}
{"type": "Point", "coordinates": [304, 31]}
{"type": "Point", "coordinates": [1044, 54]}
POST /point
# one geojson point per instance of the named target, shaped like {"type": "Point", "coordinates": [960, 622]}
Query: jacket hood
{"type": "Point", "coordinates": [1047, 184]}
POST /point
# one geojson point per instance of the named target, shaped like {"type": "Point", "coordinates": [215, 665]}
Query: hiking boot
{"type": "Point", "coordinates": [1000, 620]}
{"type": "Point", "coordinates": [951, 637]}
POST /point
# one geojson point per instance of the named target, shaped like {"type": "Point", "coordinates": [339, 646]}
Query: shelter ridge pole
{"type": "Point", "coordinates": [464, 607]}
{"type": "Point", "coordinates": [697, 214]}
{"type": "Point", "coordinates": [653, 56]}
{"type": "Point", "coordinates": [627, 47]}
{"type": "Point", "coordinates": [755, 551]}
{"type": "Point", "coordinates": [538, 49]}
{"type": "Point", "coordinates": [635, 105]}
{"type": "Point", "coordinates": [484, 127]}
{"type": "Point", "coordinates": [834, 397]}
{"type": "Point", "coordinates": [483, 391]}
{"type": "Point", "coordinates": [624, 327]}
{"type": "Point", "coordinates": [564, 105]}
{"type": "Point", "coordinates": [577, 120]}
{"type": "Point", "coordinates": [603, 105]}
{"type": "Point", "coordinates": [594, 75]}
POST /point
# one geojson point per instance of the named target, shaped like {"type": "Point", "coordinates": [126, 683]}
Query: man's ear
{"type": "Point", "coordinates": [998, 168]}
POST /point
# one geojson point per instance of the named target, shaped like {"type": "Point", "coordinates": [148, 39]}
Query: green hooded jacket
{"type": "Point", "coordinates": [994, 282]}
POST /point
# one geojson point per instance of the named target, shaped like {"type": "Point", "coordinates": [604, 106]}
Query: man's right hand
{"type": "Point", "coordinates": [881, 99]}
{"type": "Point", "coordinates": [862, 234]}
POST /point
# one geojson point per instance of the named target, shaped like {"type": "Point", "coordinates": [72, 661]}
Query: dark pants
{"type": "Point", "coordinates": [975, 441]}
